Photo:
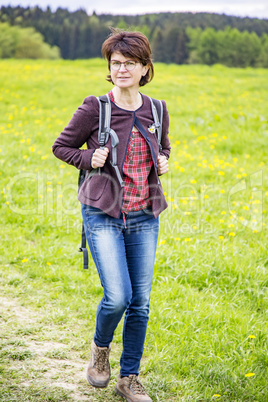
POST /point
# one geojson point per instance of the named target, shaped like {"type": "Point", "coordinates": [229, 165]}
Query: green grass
{"type": "Point", "coordinates": [208, 321]}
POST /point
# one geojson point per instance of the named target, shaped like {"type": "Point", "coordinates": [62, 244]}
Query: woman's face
{"type": "Point", "coordinates": [124, 78]}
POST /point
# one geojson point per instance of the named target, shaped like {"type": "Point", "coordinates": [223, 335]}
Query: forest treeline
{"type": "Point", "coordinates": [179, 38]}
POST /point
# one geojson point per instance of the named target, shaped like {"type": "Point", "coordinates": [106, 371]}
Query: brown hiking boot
{"type": "Point", "coordinates": [98, 372]}
{"type": "Point", "coordinates": [131, 389]}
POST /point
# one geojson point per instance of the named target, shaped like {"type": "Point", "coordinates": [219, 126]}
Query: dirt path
{"type": "Point", "coordinates": [38, 369]}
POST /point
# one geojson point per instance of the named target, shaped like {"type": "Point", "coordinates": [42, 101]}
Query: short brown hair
{"type": "Point", "coordinates": [130, 44]}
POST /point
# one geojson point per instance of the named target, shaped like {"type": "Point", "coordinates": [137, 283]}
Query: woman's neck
{"type": "Point", "coordinates": [127, 99]}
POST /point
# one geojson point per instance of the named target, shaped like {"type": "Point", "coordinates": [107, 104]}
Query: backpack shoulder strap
{"type": "Point", "coordinates": [104, 118]}
{"type": "Point", "coordinates": [157, 111]}
{"type": "Point", "coordinates": [105, 130]}
{"type": "Point", "coordinates": [104, 122]}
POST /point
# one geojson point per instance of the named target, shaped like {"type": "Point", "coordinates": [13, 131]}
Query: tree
{"type": "Point", "coordinates": [263, 56]}
{"type": "Point", "coordinates": [207, 50]}
{"type": "Point", "coordinates": [8, 40]}
{"type": "Point", "coordinates": [252, 48]}
{"type": "Point", "coordinates": [193, 35]}
{"type": "Point", "coordinates": [158, 48]}
{"type": "Point", "coordinates": [31, 46]}
{"type": "Point", "coordinates": [24, 43]}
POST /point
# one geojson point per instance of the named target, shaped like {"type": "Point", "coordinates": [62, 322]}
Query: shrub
{"type": "Point", "coordinates": [24, 43]}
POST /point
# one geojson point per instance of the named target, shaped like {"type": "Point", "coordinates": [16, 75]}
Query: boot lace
{"type": "Point", "coordinates": [101, 359]}
{"type": "Point", "coordinates": [136, 385]}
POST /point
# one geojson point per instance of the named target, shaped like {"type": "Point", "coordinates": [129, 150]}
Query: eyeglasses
{"type": "Point", "coordinates": [129, 65]}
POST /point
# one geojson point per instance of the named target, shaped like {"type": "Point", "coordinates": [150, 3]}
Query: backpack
{"type": "Point", "coordinates": [105, 131]}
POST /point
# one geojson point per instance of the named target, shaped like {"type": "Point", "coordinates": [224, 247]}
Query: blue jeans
{"type": "Point", "coordinates": [124, 254]}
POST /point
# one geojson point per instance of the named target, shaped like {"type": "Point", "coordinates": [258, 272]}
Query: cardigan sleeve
{"type": "Point", "coordinates": [75, 135]}
{"type": "Point", "coordinates": [165, 130]}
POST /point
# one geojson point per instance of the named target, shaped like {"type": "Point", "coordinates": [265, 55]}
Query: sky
{"type": "Point", "coordinates": [242, 8]}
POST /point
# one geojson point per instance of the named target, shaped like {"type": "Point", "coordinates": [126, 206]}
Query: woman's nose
{"type": "Point", "coordinates": [122, 67]}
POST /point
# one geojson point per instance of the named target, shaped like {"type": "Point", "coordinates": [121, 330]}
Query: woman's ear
{"type": "Point", "coordinates": [145, 70]}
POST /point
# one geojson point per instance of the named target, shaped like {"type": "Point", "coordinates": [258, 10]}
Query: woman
{"type": "Point", "coordinates": [121, 221]}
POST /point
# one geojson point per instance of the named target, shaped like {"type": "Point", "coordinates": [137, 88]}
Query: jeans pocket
{"type": "Point", "coordinates": [147, 211]}
{"type": "Point", "coordinates": [89, 210]}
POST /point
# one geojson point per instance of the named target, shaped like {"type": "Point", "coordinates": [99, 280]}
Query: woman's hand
{"type": "Point", "coordinates": [99, 157]}
{"type": "Point", "coordinates": [162, 165]}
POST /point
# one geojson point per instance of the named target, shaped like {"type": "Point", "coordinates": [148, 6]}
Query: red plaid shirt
{"type": "Point", "coordinates": [136, 169]}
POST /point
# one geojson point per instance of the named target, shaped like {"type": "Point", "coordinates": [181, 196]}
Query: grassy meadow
{"type": "Point", "coordinates": [207, 334]}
